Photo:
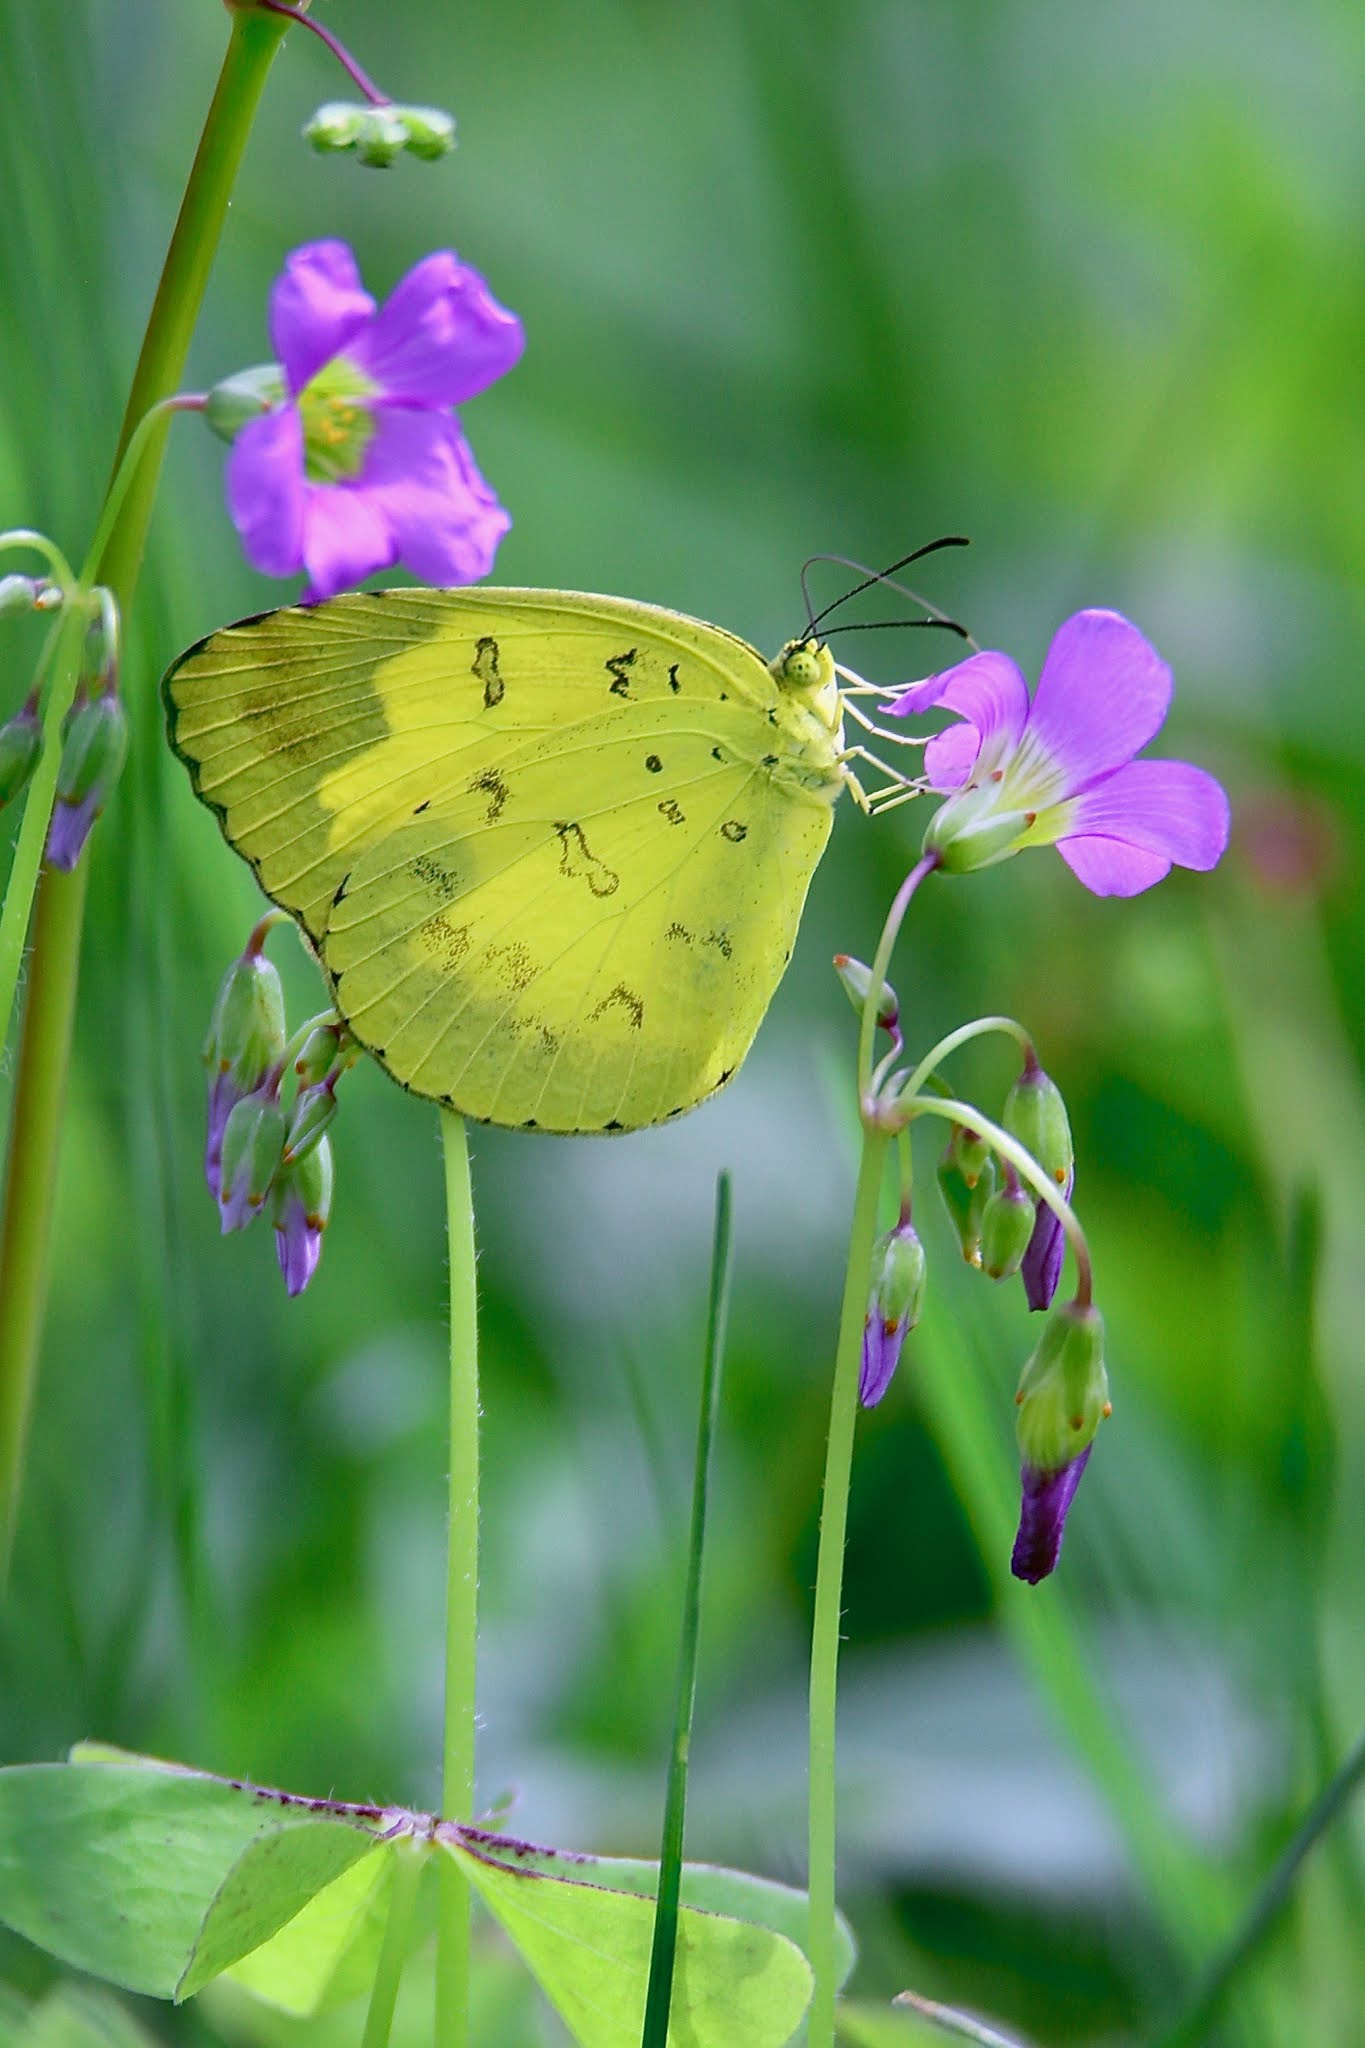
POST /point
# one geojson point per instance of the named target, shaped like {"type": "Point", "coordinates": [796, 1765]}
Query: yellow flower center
{"type": "Point", "coordinates": [338, 424]}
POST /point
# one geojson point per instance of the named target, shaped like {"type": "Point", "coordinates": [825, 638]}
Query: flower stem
{"type": "Point", "coordinates": [408, 1863]}
{"type": "Point", "coordinates": [28, 537]}
{"type": "Point", "coordinates": [462, 1587]}
{"type": "Point", "coordinates": [824, 1652]}
{"type": "Point", "coordinates": [58, 917]}
{"type": "Point", "coordinates": [937, 1054]}
{"type": "Point", "coordinates": [338, 49]}
{"type": "Point", "coordinates": [659, 1995]}
{"type": "Point", "coordinates": [895, 917]}
{"type": "Point", "coordinates": [1027, 1168]}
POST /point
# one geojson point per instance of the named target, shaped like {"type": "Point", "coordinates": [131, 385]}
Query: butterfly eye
{"type": "Point", "coordinates": [802, 667]}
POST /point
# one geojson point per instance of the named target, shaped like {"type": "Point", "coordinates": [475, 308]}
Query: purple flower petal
{"type": "Point", "coordinates": [445, 520]}
{"type": "Point", "coordinates": [1110, 867]}
{"type": "Point", "coordinates": [69, 829]}
{"type": "Point", "coordinates": [989, 692]}
{"type": "Point", "coordinates": [346, 537]}
{"type": "Point", "coordinates": [882, 1343]}
{"type": "Point", "coordinates": [317, 305]}
{"type": "Point", "coordinates": [1164, 807]}
{"type": "Point", "coordinates": [265, 491]}
{"type": "Point", "coordinates": [298, 1246]}
{"type": "Point", "coordinates": [1103, 692]}
{"type": "Point", "coordinates": [1041, 1267]}
{"type": "Point", "coordinates": [1042, 1517]}
{"type": "Point", "coordinates": [440, 337]}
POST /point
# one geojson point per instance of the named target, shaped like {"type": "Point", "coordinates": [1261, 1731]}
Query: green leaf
{"type": "Point", "coordinates": [708, 1887]}
{"type": "Point", "coordinates": [916, 2023]}
{"type": "Point", "coordinates": [326, 1954]}
{"type": "Point", "coordinates": [736, 1984]}
{"type": "Point", "coordinates": [155, 1877]}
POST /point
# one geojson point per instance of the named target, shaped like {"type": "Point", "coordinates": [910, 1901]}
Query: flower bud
{"type": "Point", "coordinates": [319, 1054]}
{"type": "Point", "coordinates": [313, 1112]}
{"type": "Point", "coordinates": [244, 1048]}
{"type": "Point", "coordinates": [334, 126]}
{"type": "Point", "coordinates": [895, 1299]}
{"type": "Point", "coordinates": [253, 1140]}
{"type": "Point", "coordinates": [971, 1153]}
{"type": "Point", "coordinates": [1007, 1225]}
{"type": "Point", "coordinates": [857, 980]}
{"type": "Point", "coordinates": [1035, 1114]}
{"type": "Point", "coordinates": [431, 132]}
{"type": "Point", "coordinates": [303, 1202]}
{"type": "Point", "coordinates": [1063, 1397]}
{"type": "Point", "coordinates": [21, 746]}
{"type": "Point", "coordinates": [968, 832]}
{"type": "Point", "coordinates": [245, 396]}
{"type": "Point", "coordinates": [381, 136]}
{"type": "Point", "coordinates": [965, 1205]}
{"type": "Point", "coordinates": [20, 593]}
{"type": "Point", "coordinates": [93, 752]}
{"type": "Point", "coordinates": [1041, 1268]}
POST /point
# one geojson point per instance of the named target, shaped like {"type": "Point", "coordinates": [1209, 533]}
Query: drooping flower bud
{"type": "Point", "coordinates": [21, 746]}
{"type": "Point", "coordinates": [253, 1141]}
{"type": "Point", "coordinates": [1007, 1225]}
{"type": "Point", "coordinates": [895, 1298]}
{"type": "Point", "coordinates": [245, 1044]}
{"type": "Point", "coordinates": [379, 134]}
{"type": "Point", "coordinates": [856, 979]}
{"type": "Point", "coordinates": [303, 1202]}
{"type": "Point", "coordinates": [314, 1109]}
{"type": "Point", "coordinates": [93, 751]}
{"type": "Point", "coordinates": [22, 594]}
{"type": "Point", "coordinates": [247, 395]}
{"type": "Point", "coordinates": [1063, 1397]}
{"type": "Point", "coordinates": [1035, 1114]}
{"type": "Point", "coordinates": [1041, 1267]}
{"type": "Point", "coordinates": [971, 1152]}
{"type": "Point", "coordinates": [966, 1205]}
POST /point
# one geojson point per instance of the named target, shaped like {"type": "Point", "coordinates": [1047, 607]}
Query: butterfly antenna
{"type": "Point", "coordinates": [940, 620]}
{"type": "Point", "coordinates": [873, 576]}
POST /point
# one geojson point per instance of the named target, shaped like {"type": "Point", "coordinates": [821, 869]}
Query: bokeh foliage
{"type": "Point", "coordinates": [1089, 285]}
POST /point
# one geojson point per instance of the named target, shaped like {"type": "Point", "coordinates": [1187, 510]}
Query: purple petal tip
{"type": "Point", "coordinates": [881, 1353]}
{"type": "Point", "coordinates": [1047, 1497]}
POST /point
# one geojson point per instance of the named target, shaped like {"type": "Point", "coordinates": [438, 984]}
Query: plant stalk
{"type": "Point", "coordinates": [45, 1048]}
{"type": "Point", "coordinates": [462, 1588]}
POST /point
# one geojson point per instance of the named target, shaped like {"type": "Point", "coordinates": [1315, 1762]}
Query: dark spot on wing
{"type": "Point", "coordinates": [418, 809]}
{"type": "Point", "coordinates": [621, 998]}
{"type": "Point", "coordinates": [493, 786]}
{"type": "Point", "coordinates": [673, 811]}
{"type": "Point", "coordinates": [770, 760]}
{"type": "Point", "coordinates": [733, 831]}
{"type": "Point", "coordinates": [679, 931]}
{"type": "Point", "coordinates": [673, 682]}
{"type": "Point", "coordinates": [716, 754]}
{"type": "Point", "coordinates": [485, 667]}
{"type": "Point", "coordinates": [653, 763]}
{"type": "Point", "coordinates": [578, 861]}
{"type": "Point", "coordinates": [340, 889]}
{"type": "Point", "coordinates": [613, 1124]}
{"type": "Point", "coordinates": [721, 941]}
{"type": "Point", "coordinates": [619, 666]}
{"type": "Point", "coordinates": [513, 966]}
{"type": "Point", "coordinates": [528, 1123]}
{"type": "Point", "coordinates": [439, 878]}
{"type": "Point", "coordinates": [447, 943]}
{"type": "Point", "coordinates": [725, 1077]}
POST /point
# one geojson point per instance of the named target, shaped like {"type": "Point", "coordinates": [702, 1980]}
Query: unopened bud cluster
{"type": "Point", "coordinates": [261, 1151]}
{"type": "Point", "coordinates": [378, 135]}
{"type": "Point", "coordinates": [94, 741]}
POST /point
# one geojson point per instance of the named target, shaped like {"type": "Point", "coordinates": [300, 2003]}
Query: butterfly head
{"type": "Point", "coordinates": [805, 668]}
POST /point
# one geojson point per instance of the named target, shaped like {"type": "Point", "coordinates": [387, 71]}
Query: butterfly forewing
{"type": "Point", "coordinates": [536, 838]}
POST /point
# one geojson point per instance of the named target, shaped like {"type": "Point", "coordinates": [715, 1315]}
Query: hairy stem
{"type": "Point", "coordinates": [829, 1578]}
{"type": "Point", "coordinates": [44, 1055]}
{"type": "Point", "coordinates": [462, 1587]}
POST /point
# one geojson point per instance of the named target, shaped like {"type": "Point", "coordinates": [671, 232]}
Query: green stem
{"type": "Point", "coordinates": [895, 917]}
{"type": "Point", "coordinates": [659, 1996]}
{"type": "Point", "coordinates": [1027, 1168]}
{"type": "Point", "coordinates": [409, 1860]}
{"type": "Point", "coordinates": [1192, 2026]}
{"type": "Point", "coordinates": [58, 917]}
{"type": "Point", "coordinates": [462, 1587]}
{"type": "Point", "coordinates": [937, 1054]}
{"type": "Point", "coordinates": [29, 537]}
{"type": "Point", "coordinates": [829, 1575]}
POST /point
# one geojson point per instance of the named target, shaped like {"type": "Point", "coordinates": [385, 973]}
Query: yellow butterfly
{"type": "Point", "coordinates": [551, 849]}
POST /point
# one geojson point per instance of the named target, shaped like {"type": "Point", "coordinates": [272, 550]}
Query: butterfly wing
{"type": "Point", "coordinates": [537, 839]}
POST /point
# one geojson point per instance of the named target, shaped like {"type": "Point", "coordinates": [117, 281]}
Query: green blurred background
{"type": "Point", "coordinates": [1087, 284]}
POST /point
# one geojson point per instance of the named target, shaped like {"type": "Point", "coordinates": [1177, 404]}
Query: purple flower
{"type": "Point", "coordinates": [1041, 1268]}
{"type": "Point", "coordinates": [362, 463]}
{"type": "Point", "coordinates": [303, 1202]}
{"type": "Point", "coordinates": [69, 829]}
{"type": "Point", "coordinates": [1061, 769]}
{"type": "Point", "coordinates": [895, 1298]}
{"type": "Point", "coordinates": [1042, 1517]}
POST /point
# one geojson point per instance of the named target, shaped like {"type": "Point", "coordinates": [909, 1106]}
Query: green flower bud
{"type": "Point", "coordinates": [966, 1206]}
{"type": "Point", "coordinates": [19, 594]}
{"type": "Point", "coordinates": [303, 1202]}
{"type": "Point", "coordinates": [334, 126]}
{"type": "Point", "coordinates": [313, 1112]}
{"type": "Point", "coordinates": [21, 746]}
{"type": "Point", "coordinates": [93, 750]}
{"type": "Point", "coordinates": [381, 136]}
{"type": "Point", "coordinates": [247, 1036]}
{"type": "Point", "coordinates": [253, 1142]}
{"type": "Point", "coordinates": [1035, 1114]}
{"type": "Point", "coordinates": [431, 132]}
{"type": "Point", "coordinates": [856, 980]}
{"type": "Point", "coordinates": [895, 1299]}
{"type": "Point", "coordinates": [1006, 1226]}
{"type": "Point", "coordinates": [245, 396]}
{"type": "Point", "coordinates": [319, 1053]}
{"type": "Point", "coordinates": [1064, 1389]}
{"type": "Point", "coordinates": [971, 1152]}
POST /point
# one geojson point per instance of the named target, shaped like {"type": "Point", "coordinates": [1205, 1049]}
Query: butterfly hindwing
{"type": "Point", "coordinates": [535, 838]}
